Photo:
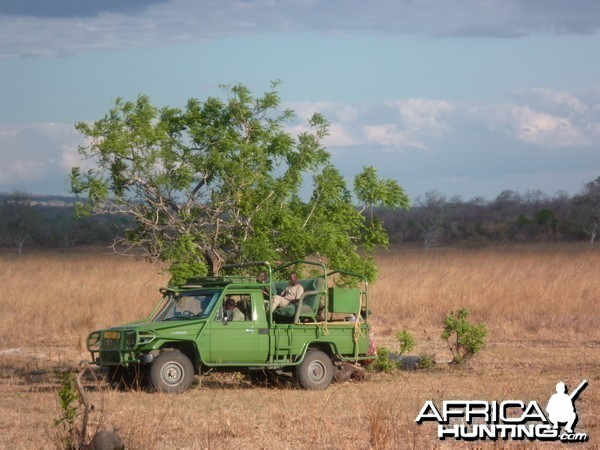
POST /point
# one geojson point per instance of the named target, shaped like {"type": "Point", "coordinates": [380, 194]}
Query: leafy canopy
{"type": "Point", "coordinates": [219, 182]}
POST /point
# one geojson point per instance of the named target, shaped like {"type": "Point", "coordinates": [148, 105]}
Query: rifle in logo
{"type": "Point", "coordinates": [561, 408]}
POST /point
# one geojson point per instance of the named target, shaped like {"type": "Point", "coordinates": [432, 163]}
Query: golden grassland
{"type": "Point", "coordinates": [539, 302]}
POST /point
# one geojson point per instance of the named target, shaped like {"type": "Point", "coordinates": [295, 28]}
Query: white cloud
{"type": "Point", "coordinates": [37, 152]}
{"type": "Point", "coordinates": [388, 135]}
{"type": "Point", "coordinates": [360, 124]}
{"type": "Point", "coordinates": [339, 115]}
{"type": "Point", "coordinates": [188, 21]}
{"type": "Point", "coordinates": [454, 140]}
{"type": "Point", "coordinates": [340, 136]}
{"type": "Point", "coordinates": [70, 157]}
{"type": "Point", "coordinates": [551, 100]}
{"type": "Point", "coordinates": [542, 118]}
{"type": "Point", "coordinates": [422, 114]}
{"type": "Point", "coordinates": [562, 121]}
{"type": "Point", "coordinates": [544, 129]}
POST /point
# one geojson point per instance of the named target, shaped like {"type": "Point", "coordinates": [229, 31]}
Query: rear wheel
{"type": "Point", "coordinates": [316, 371]}
{"type": "Point", "coordinates": [171, 372]}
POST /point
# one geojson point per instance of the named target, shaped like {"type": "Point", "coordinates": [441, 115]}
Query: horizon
{"type": "Point", "coordinates": [448, 198]}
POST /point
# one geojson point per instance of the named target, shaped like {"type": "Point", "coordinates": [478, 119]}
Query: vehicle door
{"type": "Point", "coordinates": [240, 341]}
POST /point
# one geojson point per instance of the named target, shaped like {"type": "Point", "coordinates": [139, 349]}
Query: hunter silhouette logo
{"type": "Point", "coordinates": [472, 420]}
{"type": "Point", "coordinates": [561, 408]}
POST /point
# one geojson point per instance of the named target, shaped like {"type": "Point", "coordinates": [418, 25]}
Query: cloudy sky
{"type": "Point", "coordinates": [469, 97]}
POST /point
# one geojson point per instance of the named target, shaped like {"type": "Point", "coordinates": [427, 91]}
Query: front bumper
{"type": "Point", "coordinates": [118, 348]}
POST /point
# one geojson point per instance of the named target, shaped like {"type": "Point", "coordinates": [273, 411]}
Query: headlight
{"type": "Point", "coordinates": [145, 338]}
{"type": "Point", "coordinates": [130, 339]}
{"type": "Point", "coordinates": [111, 335]}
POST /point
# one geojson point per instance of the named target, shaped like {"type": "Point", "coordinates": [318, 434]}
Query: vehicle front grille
{"type": "Point", "coordinates": [110, 344]}
{"type": "Point", "coordinates": [110, 357]}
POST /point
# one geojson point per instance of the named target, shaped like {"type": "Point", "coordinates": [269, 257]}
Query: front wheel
{"type": "Point", "coordinates": [316, 371]}
{"type": "Point", "coordinates": [171, 372]}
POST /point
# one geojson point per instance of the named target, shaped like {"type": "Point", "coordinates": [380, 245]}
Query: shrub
{"type": "Point", "coordinates": [426, 361]}
{"type": "Point", "coordinates": [68, 398]}
{"type": "Point", "coordinates": [464, 338]}
{"type": "Point", "coordinates": [406, 340]}
{"type": "Point", "coordinates": [383, 363]}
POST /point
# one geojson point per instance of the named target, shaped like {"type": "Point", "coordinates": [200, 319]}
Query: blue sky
{"type": "Point", "coordinates": [466, 97]}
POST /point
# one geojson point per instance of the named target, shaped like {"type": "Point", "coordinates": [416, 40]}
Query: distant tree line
{"type": "Point", "coordinates": [511, 217]}
{"type": "Point", "coordinates": [433, 219]}
{"type": "Point", "coordinates": [48, 221]}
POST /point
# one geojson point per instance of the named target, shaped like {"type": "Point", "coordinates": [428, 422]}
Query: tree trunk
{"type": "Point", "coordinates": [214, 261]}
{"type": "Point", "coordinates": [593, 236]}
{"type": "Point", "coordinates": [20, 243]}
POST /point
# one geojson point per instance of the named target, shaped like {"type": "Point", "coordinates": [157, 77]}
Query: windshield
{"type": "Point", "coordinates": [186, 306]}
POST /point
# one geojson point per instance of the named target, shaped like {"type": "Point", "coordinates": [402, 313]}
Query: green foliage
{"type": "Point", "coordinates": [464, 338]}
{"type": "Point", "coordinates": [68, 398]}
{"type": "Point", "coordinates": [545, 217]}
{"type": "Point", "coordinates": [374, 192]}
{"type": "Point", "coordinates": [383, 362]}
{"type": "Point", "coordinates": [406, 340]}
{"type": "Point", "coordinates": [426, 361]}
{"type": "Point", "coordinates": [186, 260]}
{"type": "Point", "coordinates": [219, 182]}
{"type": "Point", "coordinates": [523, 221]}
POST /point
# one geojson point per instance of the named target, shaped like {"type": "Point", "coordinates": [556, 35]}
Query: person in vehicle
{"type": "Point", "coordinates": [291, 293]}
{"type": "Point", "coordinates": [232, 313]}
{"type": "Point", "coordinates": [262, 278]}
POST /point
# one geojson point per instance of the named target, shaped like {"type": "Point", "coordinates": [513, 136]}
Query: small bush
{"type": "Point", "coordinates": [464, 338]}
{"type": "Point", "coordinates": [426, 361]}
{"type": "Point", "coordinates": [68, 398]}
{"type": "Point", "coordinates": [383, 363]}
{"type": "Point", "coordinates": [406, 340]}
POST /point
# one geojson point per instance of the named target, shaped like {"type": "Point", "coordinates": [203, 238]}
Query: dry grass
{"type": "Point", "coordinates": [56, 299]}
{"type": "Point", "coordinates": [540, 303]}
{"type": "Point", "coordinates": [539, 292]}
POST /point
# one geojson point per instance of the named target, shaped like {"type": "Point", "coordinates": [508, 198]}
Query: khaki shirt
{"type": "Point", "coordinates": [293, 292]}
{"type": "Point", "coordinates": [235, 315]}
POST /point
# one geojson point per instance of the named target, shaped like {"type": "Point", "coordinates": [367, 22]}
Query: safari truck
{"type": "Point", "coordinates": [189, 331]}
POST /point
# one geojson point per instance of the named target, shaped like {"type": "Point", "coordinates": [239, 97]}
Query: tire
{"type": "Point", "coordinates": [171, 372]}
{"type": "Point", "coordinates": [315, 371]}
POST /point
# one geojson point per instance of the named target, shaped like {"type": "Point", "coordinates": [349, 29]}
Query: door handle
{"type": "Point", "coordinates": [249, 330]}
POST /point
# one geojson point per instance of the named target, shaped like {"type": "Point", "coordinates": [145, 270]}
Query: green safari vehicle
{"type": "Point", "coordinates": [188, 332]}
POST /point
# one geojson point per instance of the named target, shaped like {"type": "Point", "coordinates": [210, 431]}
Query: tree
{"type": "Point", "coordinates": [546, 222]}
{"type": "Point", "coordinates": [219, 182]}
{"type": "Point", "coordinates": [20, 218]}
{"type": "Point", "coordinates": [428, 217]}
{"type": "Point", "coordinates": [587, 209]}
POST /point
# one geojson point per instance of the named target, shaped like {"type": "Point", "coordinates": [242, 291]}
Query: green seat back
{"type": "Point", "coordinates": [310, 303]}
{"type": "Point", "coordinates": [313, 300]}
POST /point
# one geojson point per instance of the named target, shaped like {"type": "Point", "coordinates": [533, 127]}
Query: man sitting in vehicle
{"type": "Point", "coordinates": [262, 278]}
{"type": "Point", "coordinates": [291, 293]}
{"type": "Point", "coordinates": [232, 313]}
